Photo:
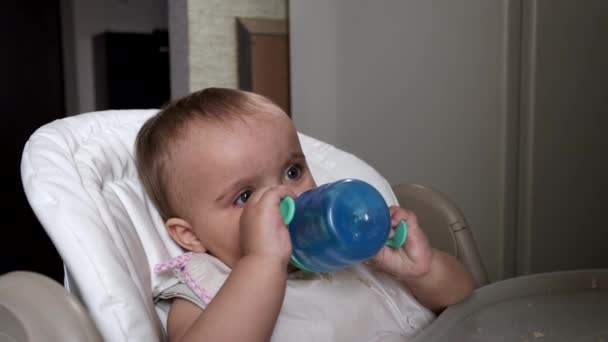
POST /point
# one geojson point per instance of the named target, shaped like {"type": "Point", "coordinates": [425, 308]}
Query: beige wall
{"type": "Point", "coordinates": [212, 37]}
{"type": "Point", "coordinates": [429, 91]}
{"type": "Point", "coordinates": [418, 89]}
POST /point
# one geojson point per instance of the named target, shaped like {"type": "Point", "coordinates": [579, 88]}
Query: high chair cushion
{"type": "Point", "coordinates": [80, 179]}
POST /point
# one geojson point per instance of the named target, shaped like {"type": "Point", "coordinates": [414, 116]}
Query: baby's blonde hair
{"type": "Point", "coordinates": [158, 135]}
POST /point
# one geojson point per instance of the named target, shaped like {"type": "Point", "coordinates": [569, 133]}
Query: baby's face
{"type": "Point", "coordinates": [219, 166]}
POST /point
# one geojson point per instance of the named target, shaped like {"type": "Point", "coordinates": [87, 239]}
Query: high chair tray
{"type": "Point", "coordinates": [556, 306]}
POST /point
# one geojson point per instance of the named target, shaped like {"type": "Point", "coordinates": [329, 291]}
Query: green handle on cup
{"type": "Point", "coordinates": [288, 210]}
{"type": "Point", "coordinates": [399, 237]}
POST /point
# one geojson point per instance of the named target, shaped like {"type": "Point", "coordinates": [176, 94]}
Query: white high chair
{"type": "Point", "coordinates": [80, 179]}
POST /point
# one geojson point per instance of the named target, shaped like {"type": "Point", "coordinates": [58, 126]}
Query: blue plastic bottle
{"type": "Point", "coordinates": [338, 224]}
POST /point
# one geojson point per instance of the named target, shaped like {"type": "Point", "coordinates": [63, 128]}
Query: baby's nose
{"type": "Point", "coordinates": [302, 189]}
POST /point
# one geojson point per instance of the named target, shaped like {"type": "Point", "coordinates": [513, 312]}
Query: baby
{"type": "Point", "coordinates": [216, 165]}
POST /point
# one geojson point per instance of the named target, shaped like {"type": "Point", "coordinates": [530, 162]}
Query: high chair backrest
{"type": "Point", "coordinates": [80, 179]}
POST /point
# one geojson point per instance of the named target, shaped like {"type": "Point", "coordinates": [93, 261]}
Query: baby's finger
{"type": "Point", "coordinates": [257, 195]}
{"type": "Point", "coordinates": [398, 214]}
{"type": "Point", "coordinates": [394, 209]}
{"type": "Point", "coordinates": [410, 218]}
{"type": "Point", "coordinates": [273, 196]}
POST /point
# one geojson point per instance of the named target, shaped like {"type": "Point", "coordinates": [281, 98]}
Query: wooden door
{"type": "Point", "coordinates": [264, 58]}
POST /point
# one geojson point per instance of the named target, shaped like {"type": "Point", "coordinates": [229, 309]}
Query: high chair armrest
{"type": "Point", "coordinates": [444, 224]}
{"type": "Point", "coordinates": [34, 307]}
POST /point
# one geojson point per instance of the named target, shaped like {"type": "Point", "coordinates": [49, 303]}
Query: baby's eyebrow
{"type": "Point", "coordinates": [297, 155]}
{"type": "Point", "coordinates": [294, 156]}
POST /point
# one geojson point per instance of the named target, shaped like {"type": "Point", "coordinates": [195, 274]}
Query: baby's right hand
{"type": "Point", "coordinates": [263, 232]}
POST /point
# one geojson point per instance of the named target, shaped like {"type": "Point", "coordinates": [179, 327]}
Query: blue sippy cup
{"type": "Point", "coordinates": [338, 224]}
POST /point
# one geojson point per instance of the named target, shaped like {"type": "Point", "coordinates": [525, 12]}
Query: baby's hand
{"type": "Point", "coordinates": [414, 258]}
{"type": "Point", "coordinates": [263, 232]}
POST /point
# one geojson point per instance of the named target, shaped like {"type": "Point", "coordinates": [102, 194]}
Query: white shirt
{"type": "Point", "coordinates": [355, 304]}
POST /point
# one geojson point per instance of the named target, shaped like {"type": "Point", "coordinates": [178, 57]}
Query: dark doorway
{"type": "Point", "coordinates": [31, 88]}
{"type": "Point", "coordinates": [131, 70]}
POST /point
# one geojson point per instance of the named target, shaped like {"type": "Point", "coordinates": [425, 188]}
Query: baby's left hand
{"type": "Point", "coordinates": [414, 258]}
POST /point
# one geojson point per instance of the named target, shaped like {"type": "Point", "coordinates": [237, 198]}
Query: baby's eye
{"type": "Point", "coordinates": [294, 172]}
{"type": "Point", "coordinates": [243, 198]}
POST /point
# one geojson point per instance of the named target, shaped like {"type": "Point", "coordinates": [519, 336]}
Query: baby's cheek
{"type": "Point", "coordinates": [234, 237]}
{"type": "Point", "coordinates": [307, 184]}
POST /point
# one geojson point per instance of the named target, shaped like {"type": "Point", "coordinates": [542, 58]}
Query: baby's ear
{"type": "Point", "coordinates": [181, 231]}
